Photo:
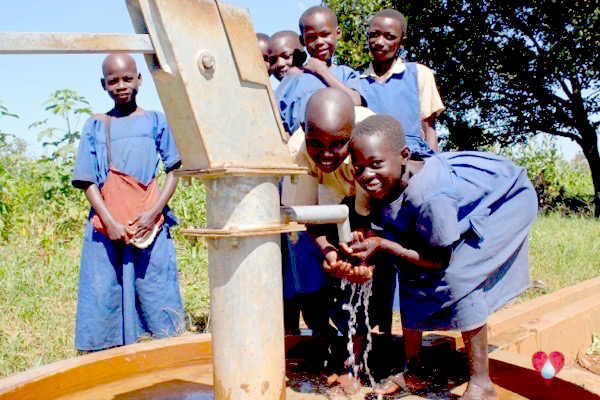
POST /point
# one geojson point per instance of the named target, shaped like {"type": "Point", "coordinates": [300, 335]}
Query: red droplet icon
{"type": "Point", "coordinates": [548, 366]}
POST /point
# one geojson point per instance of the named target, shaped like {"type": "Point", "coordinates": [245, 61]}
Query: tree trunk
{"type": "Point", "coordinates": [593, 159]}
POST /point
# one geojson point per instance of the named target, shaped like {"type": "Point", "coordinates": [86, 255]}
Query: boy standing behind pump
{"type": "Point", "coordinates": [319, 32]}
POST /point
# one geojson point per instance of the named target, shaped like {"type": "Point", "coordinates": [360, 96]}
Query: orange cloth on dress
{"type": "Point", "coordinates": [126, 197]}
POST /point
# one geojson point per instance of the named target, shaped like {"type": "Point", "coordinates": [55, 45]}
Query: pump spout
{"type": "Point", "coordinates": [320, 215]}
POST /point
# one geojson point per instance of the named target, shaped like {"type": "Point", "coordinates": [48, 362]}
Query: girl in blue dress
{"type": "Point", "coordinates": [128, 286]}
{"type": "Point", "coordinates": [456, 226]}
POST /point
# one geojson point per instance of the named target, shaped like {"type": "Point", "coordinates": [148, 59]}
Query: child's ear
{"type": "Point", "coordinates": [405, 153]}
{"type": "Point", "coordinates": [140, 78]}
{"type": "Point", "coordinates": [103, 83]}
{"type": "Point", "coordinates": [338, 32]}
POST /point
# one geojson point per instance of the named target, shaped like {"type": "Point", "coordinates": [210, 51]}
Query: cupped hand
{"type": "Point", "coordinates": [363, 249]}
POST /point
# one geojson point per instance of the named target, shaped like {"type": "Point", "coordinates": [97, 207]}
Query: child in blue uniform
{"type": "Point", "coordinates": [406, 91]}
{"type": "Point", "coordinates": [456, 225]}
{"type": "Point", "coordinates": [286, 54]}
{"type": "Point", "coordinates": [319, 32]}
{"type": "Point", "coordinates": [126, 292]}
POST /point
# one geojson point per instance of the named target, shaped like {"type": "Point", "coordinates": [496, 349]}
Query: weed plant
{"type": "Point", "coordinates": [42, 218]}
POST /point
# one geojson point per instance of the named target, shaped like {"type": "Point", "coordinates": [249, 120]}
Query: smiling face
{"type": "Point", "coordinates": [320, 35]}
{"type": "Point", "coordinates": [121, 79]}
{"type": "Point", "coordinates": [328, 145]}
{"type": "Point", "coordinates": [282, 53]}
{"type": "Point", "coordinates": [385, 38]}
{"type": "Point", "coordinates": [377, 167]}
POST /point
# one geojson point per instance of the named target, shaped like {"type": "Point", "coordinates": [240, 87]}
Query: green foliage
{"type": "Point", "coordinates": [560, 185]}
{"type": "Point", "coordinates": [511, 69]}
{"type": "Point", "coordinates": [69, 106]}
{"type": "Point", "coordinates": [354, 18]}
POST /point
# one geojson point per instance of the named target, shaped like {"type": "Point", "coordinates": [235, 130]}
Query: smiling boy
{"type": "Point", "coordinates": [286, 54]}
{"type": "Point", "coordinates": [406, 91]}
{"type": "Point", "coordinates": [127, 290]}
{"type": "Point", "coordinates": [319, 32]}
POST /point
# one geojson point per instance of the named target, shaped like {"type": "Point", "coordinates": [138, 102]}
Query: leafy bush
{"type": "Point", "coordinates": [561, 185]}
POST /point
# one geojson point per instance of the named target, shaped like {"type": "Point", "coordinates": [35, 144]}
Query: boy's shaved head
{"type": "Point", "coordinates": [317, 10]}
{"type": "Point", "coordinates": [328, 125]}
{"type": "Point", "coordinates": [118, 61]}
{"type": "Point", "coordinates": [383, 126]}
{"type": "Point", "coordinates": [262, 37]}
{"type": "Point", "coordinates": [330, 109]}
{"type": "Point", "coordinates": [393, 14]}
{"type": "Point", "coordinates": [288, 35]}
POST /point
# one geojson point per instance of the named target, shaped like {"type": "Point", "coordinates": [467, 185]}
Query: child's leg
{"type": "Point", "coordinates": [480, 384]}
{"type": "Point", "coordinates": [157, 288]}
{"type": "Point", "coordinates": [291, 315]}
{"type": "Point", "coordinates": [315, 311]}
{"type": "Point", "coordinates": [99, 322]}
{"type": "Point", "coordinates": [413, 342]}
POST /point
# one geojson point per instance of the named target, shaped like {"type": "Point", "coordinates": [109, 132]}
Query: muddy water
{"type": "Point", "coordinates": [305, 374]}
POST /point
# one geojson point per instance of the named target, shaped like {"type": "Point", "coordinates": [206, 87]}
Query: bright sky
{"type": "Point", "coordinates": [26, 81]}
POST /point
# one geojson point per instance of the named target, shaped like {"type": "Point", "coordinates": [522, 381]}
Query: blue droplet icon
{"type": "Point", "coordinates": [548, 371]}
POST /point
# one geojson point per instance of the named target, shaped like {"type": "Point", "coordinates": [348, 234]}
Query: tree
{"type": "Point", "coordinates": [70, 106]}
{"type": "Point", "coordinates": [510, 69]}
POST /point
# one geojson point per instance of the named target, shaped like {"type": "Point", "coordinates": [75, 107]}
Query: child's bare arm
{"type": "Point", "coordinates": [144, 222]}
{"type": "Point", "coordinates": [320, 69]}
{"type": "Point", "coordinates": [114, 229]}
{"type": "Point", "coordinates": [429, 133]}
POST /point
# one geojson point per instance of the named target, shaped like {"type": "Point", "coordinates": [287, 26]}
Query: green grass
{"type": "Point", "coordinates": [38, 284]}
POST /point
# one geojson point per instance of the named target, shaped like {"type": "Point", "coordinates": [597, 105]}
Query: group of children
{"type": "Point", "coordinates": [446, 222]}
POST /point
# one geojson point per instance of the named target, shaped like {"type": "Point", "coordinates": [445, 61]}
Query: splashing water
{"type": "Point", "coordinates": [364, 294]}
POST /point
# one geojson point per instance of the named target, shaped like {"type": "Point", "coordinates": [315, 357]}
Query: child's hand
{"type": "Point", "coordinates": [361, 274]}
{"type": "Point", "coordinates": [316, 66]}
{"type": "Point", "coordinates": [331, 262]}
{"type": "Point", "coordinates": [116, 231]}
{"type": "Point", "coordinates": [334, 266]}
{"type": "Point", "coordinates": [363, 249]}
{"type": "Point", "coordinates": [143, 223]}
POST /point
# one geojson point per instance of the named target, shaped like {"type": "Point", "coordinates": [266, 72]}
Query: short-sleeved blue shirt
{"type": "Point", "coordinates": [137, 141]}
{"type": "Point", "coordinates": [480, 204]}
{"type": "Point", "coordinates": [293, 93]}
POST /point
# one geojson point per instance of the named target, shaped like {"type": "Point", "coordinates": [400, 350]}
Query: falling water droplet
{"type": "Point", "coordinates": [548, 371]}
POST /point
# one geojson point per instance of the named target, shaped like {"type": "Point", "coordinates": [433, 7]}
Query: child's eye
{"type": "Point", "coordinates": [377, 164]}
{"type": "Point", "coordinates": [390, 37]}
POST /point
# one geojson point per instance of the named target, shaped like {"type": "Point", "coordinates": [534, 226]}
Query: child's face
{"type": "Point", "coordinates": [385, 38]}
{"type": "Point", "coordinates": [122, 81]}
{"type": "Point", "coordinates": [377, 167]}
{"type": "Point", "coordinates": [320, 36]}
{"type": "Point", "coordinates": [281, 55]}
{"type": "Point", "coordinates": [264, 49]}
{"type": "Point", "coordinates": [328, 148]}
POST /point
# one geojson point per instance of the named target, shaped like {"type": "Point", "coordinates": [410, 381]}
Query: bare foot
{"type": "Point", "coordinates": [408, 382]}
{"type": "Point", "coordinates": [391, 385]}
{"type": "Point", "coordinates": [346, 385]}
{"type": "Point", "coordinates": [483, 390]}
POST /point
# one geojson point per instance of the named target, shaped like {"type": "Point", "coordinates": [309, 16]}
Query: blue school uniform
{"type": "Point", "coordinates": [399, 98]}
{"type": "Point", "coordinates": [124, 292]}
{"type": "Point", "coordinates": [483, 206]}
{"type": "Point", "coordinates": [293, 93]}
